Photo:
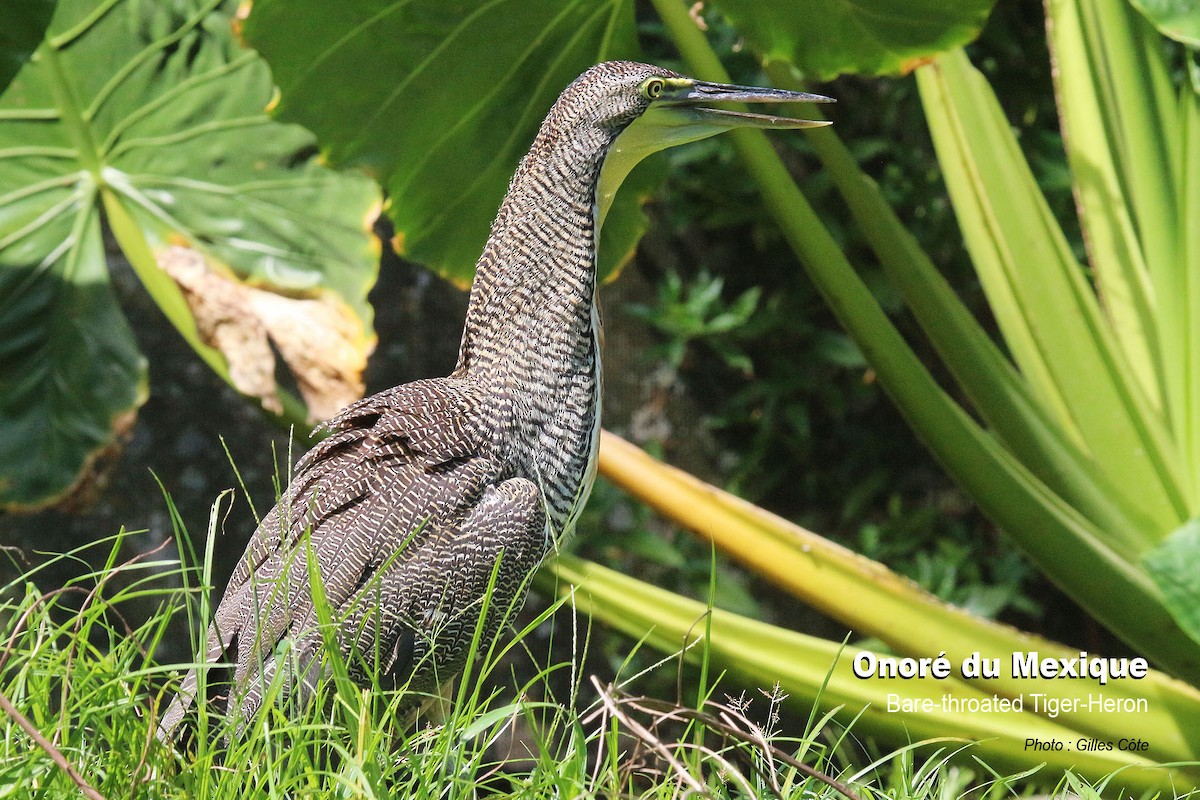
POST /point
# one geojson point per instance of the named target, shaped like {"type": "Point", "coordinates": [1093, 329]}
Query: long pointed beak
{"type": "Point", "coordinates": [690, 104]}
{"type": "Point", "coordinates": [682, 115]}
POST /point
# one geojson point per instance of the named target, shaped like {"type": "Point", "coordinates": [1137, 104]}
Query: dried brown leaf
{"type": "Point", "coordinates": [320, 338]}
{"type": "Point", "coordinates": [322, 341]}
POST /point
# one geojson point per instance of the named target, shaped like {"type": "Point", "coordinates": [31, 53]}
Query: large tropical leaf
{"type": "Point", "coordinates": [21, 28]}
{"type": "Point", "coordinates": [153, 113]}
{"type": "Point", "coordinates": [440, 100]}
{"type": "Point", "coordinates": [1179, 19]}
{"type": "Point", "coordinates": [825, 38]}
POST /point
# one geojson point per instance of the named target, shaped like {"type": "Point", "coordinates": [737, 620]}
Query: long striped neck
{"type": "Point", "coordinates": [530, 334]}
{"type": "Point", "coordinates": [537, 272]}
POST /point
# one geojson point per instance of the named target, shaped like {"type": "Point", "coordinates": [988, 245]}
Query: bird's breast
{"type": "Point", "coordinates": [551, 424]}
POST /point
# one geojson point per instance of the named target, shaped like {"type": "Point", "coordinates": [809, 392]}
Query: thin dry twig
{"type": "Point", "coordinates": [613, 706]}
{"type": "Point", "coordinates": [734, 731]}
{"type": "Point", "coordinates": [17, 556]}
{"type": "Point", "coordinates": [55, 754]}
{"type": "Point", "coordinates": [729, 723]}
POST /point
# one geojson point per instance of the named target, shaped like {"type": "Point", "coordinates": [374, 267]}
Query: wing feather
{"type": "Point", "coordinates": [396, 480]}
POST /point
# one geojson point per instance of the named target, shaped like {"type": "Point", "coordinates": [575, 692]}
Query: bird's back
{"type": "Point", "coordinates": [410, 518]}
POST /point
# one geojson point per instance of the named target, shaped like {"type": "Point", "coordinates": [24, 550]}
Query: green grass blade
{"type": "Point", "coordinates": [1045, 308]}
{"type": "Point", "coordinates": [1188, 431]}
{"type": "Point", "coordinates": [349, 699]}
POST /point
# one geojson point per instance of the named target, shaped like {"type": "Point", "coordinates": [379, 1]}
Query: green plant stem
{"type": "Point", "coordinates": [78, 130]}
{"type": "Point", "coordinates": [1189, 211]}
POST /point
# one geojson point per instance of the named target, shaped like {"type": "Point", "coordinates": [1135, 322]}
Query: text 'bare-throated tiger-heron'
{"type": "Point", "coordinates": [424, 496]}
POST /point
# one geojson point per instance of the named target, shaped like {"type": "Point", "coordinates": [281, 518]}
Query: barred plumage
{"type": "Point", "coordinates": [424, 494]}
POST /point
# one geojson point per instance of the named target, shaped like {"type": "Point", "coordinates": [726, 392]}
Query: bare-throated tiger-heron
{"type": "Point", "coordinates": [426, 496]}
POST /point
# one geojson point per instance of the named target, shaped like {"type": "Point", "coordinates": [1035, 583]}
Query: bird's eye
{"type": "Point", "coordinates": [652, 88]}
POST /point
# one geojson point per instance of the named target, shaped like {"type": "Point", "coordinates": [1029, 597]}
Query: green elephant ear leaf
{"type": "Point", "coordinates": [22, 26]}
{"type": "Point", "coordinates": [386, 86]}
{"type": "Point", "coordinates": [826, 38]}
{"type": "Point", "coordinates": [71, 376]}
{"type": "Point", "coordinates": [149, 117]}
{"type": "Point", "coordinates": [1178, 19]}
{"type": "Point", "coordinates": [1174, 566]}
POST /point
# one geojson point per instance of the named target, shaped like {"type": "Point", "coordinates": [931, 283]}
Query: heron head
{"type": "Point", "coordinates": [654, 109]}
